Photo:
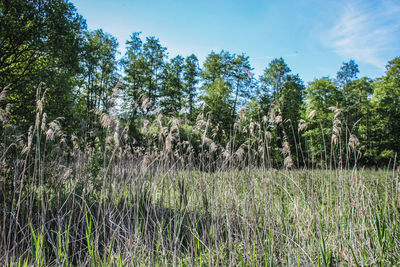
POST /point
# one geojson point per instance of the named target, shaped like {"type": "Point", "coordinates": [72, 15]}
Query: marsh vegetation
{"type": "Point", "coordinates": [155, 161]}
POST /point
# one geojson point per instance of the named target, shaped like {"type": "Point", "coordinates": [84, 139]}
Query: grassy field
{"type": "Point", "coordinates": [237, 218]}
{"type": "Point", "coordinates": [66, 203]}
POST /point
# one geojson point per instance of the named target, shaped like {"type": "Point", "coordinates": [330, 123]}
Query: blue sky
{"type": "Point", "coordinates": [314, 37]}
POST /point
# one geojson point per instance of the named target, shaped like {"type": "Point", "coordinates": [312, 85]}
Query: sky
{"type": "Point", "coordinates": [314, 37]}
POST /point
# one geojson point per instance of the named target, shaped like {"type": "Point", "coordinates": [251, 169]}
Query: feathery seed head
{"type": "Point", "coordinates": [312, 114]}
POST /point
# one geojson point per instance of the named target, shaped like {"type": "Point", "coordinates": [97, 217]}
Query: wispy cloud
{"type": "Point", "coordinates": [367, 31]}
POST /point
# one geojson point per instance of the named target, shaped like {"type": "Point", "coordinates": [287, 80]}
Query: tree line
{"type": "Point", "coordinates": [46, 45]}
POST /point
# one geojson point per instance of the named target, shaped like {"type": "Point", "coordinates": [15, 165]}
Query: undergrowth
{"type": "Point", "coordinates": [66, 203]}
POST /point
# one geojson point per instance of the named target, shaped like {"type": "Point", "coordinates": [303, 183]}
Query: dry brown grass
{"type": "Point", "coordinates": [65, 202]}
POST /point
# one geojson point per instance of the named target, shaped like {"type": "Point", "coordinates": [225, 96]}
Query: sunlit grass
{"type": "Point", "coordinates": [77, 205]}
{"type": "Point", "coordinates": [245, 218]}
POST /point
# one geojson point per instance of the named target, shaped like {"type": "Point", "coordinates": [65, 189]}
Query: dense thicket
{"type": "Point", "coordinates": [220, 105]}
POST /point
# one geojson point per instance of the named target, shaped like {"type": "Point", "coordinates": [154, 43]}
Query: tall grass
{"type": "Point", "coordinates": [65, 203]}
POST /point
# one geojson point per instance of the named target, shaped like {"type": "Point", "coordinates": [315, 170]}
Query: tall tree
{"type": "Point", "coordinates": [347, 73]}
{"type": "Point", "coordinates": [216, 66]}
{"type": "Point", "coordinates": [98, 79]}
{"type": "Point", "coordinates": [154, 57]}
{"type": "Point", "coordinates": [234, 70]}
{"type": "Point", "coordinates": [321, 94]}
{"type": "Point", "coordinates": [144, 64]}
{"type": "Point", "coordinates": [191, 79]}
{"type": "Point", "coordinates": [41, 41]}
{"type": "Point", "coordinates": [100, 67]}
{"type": "Point", "coordinates": [345, 77]}
{"type": "Point", "coordinates": [172, 90]}
{"type": "Point", "coordinates": [218, 105]}
{"type": "Point", "coordinates": [282, 94]}
{"type": "Point", "coordinates": [217, 89]}
{"type": "Point", "coordinates": [361, 116]}
{"type": "Point", "coordinates": [386, 103]}
{"type": "Point", "coordinates": [291, 107]}
{"type": "Point", "coordinates": [134, 66]}
{"type": "Point", "coordinates": [241, 80]}
{"type": "Point", "coordinates": [273, 79]}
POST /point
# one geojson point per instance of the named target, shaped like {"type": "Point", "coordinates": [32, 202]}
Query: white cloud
{"type": "Point", "coordinates": [367, 32]}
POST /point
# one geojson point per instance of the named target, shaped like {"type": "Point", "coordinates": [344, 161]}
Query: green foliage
{"type": "Point", "coordinates": [172, 90]}
{"type": "Point", "coordinates": [100, 69]}
{"type": "Point", "coordinates": [386, 104]}
{"type": "Point", "coordinates": [97, 83]}
{"type": "Point", "coordinates": [361, 117]}
{"type": "Point", "coordinates": [241, 80]}
{"type": "Point", "coordinates": [148, 78]}
{"type": "Point", "coordinates": [41, 43]}
{"type": "Point", "coordinates": [134, 67]}
{"type": "Point", "coordinates": [218, 105]}
{"type": "Point", "coordinates": [108, 172]}
{"type": "Point", "coordinates": [154, 57]}
{"type": "Point", "coordinates": [190, 79]}
{"type": "Point", "coordinates": [321, 94]}
{"type": "Point", "coordinates": [216, 66]}
{"type": "Point", "coordinates": [348, 72]}
{"type": "Point", "coordinates": [46, 44]}
{"type": "Point", "coordinates": [274, 77]}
